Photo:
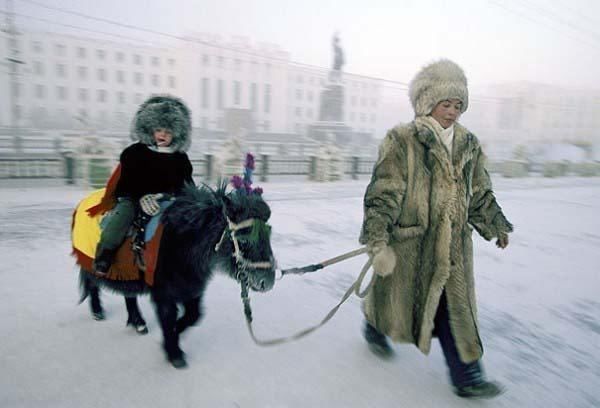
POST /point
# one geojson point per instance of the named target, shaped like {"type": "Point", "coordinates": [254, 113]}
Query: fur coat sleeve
{"type": "Point", "coordinates": [384, 195]}
{"type": "Point", "coordinates": [485, 214]}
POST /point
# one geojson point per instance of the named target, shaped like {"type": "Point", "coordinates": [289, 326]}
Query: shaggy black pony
{"type": "Point", "coordinates": [204, 230]}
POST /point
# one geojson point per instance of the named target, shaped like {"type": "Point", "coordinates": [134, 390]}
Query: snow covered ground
{"type": "Point", "coordinates": [538, 301]}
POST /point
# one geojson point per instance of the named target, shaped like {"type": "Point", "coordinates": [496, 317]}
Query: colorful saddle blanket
{"type": "Point", "coordinates": [85, 234]}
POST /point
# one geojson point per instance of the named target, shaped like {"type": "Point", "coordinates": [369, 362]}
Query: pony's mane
{"type": "Point", "coordinates": [194, 207]}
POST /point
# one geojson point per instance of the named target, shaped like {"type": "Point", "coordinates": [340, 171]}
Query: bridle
{"type": "Point", "coordinates": [241, 262]}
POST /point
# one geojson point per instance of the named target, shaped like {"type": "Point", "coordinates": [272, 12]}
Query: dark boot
{"type": "Point", "coordinates": [484, 389]}
{"type": "Point", "coordinates": [103, 261]}
{"type": "Point", "coordinates": [377, 342]}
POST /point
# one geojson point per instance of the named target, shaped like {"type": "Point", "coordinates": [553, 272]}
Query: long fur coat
{"type": "Point", "coordinates": [425, 205]}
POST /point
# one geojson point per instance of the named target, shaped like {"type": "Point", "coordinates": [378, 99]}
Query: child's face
{"type": "Point", "coordinates": [163, 137]}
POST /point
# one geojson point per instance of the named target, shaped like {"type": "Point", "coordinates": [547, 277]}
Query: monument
{"type": "Point", "coordinates": [330, 124]}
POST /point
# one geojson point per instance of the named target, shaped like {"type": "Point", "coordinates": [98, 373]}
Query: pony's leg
{"type": "Point", "coordinates": [134, 316]}
{"type": "Point", "coordinates": [193, 312]}
{"type": "Point", "coordinates": [167, 316]}
{"type": "Point", "coordinates": [89, 288]}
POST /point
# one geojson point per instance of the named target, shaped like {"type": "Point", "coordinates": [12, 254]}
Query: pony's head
{"type": "Point", "coordinates": [248, 236]}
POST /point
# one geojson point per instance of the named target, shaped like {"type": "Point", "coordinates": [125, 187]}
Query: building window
{"type": "Point", "coordinates": [16, 89]}
{"type": "Point", "coordinates": [220, 93]}
{"type": "Point", "coordinates": [221, 61]}
{"type": "Point", "coordinates": [82, 94]}
{"type": "Point", "coordinates": [138, 98]}
{"type": "Point", "coordinates": [155, 80]}
{"type": "Point", "coordinates": [238, 65]}
{"type": "Point", "coordinates": [298, 112]}
{"type": "Point", "coordinates": [205, 60]}
{"type": "Point", "coordinates": [60, 50]}
{"type": "Point", "coordinates": [155, 61]}
{"type": "Point", "coordinates": [266, 125]}
{"type": "Point", "coordinates": [205, 93]}
{"type": "Point", "coordinates": [299, 94]}
{"type": "Point", "coordinates": [120, 77]}
{"type": "Point", "coordinates": [237, 92]}
{"type": "Point", "coordinates": [40, 91]}
{"type": "Point", "coordinates": [137, 78]}
{"type": "Point", "coordinates": [137, 59]}
{"type": "Point", "coordinates": [61, 93]}
{"type": "Point", "coordinates": [171, 81]}
{"type": "Point", "coordinates": [121, 97]}
{"type": "Point", "coordinates": [61, 70]}
{"type": "Point", "coordinates": [300, 79]}
{"type": "Point", "coordinates": [119, 56]}
{"type": "Point", "coordinates": [38, 68]}
{"type": "Point", "coordinates": [101, 74]}
{"type": "Point", "coordinates": [267, 97]}
{"type": "Point", "coordinates": [81, 52]}
{"type": "Point", "coordinates": [100, 54]}
{"type": "Point", "coordinates": [171, 62]}
{"type": "Point", "coordinates": [82, 72]}
{"type": "Point", "coordinates": [253, 96]}
{"type": "Point", "coordinates": [36, 46]}
{"type": "Point", "coordinates": [101, 95]}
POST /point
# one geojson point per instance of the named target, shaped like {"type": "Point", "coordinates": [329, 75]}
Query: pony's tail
{"type": "Point", "coordinates": [84, 286]}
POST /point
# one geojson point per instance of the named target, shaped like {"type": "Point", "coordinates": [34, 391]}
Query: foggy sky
{"type": "Point", "coordinates": [551, 41]}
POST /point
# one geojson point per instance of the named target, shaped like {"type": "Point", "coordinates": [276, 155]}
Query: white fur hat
{"type": "Point", "coordinates": [437, 82]}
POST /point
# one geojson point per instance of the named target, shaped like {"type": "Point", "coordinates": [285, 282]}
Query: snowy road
{"type": "Point", "coordinates": [538, 306]}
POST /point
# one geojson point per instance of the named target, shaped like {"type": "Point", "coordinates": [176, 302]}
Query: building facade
{"type": "Point", "coordinates": [73, 82]}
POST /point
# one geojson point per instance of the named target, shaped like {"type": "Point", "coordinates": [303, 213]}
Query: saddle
{"type": "Point", "coordinates": [136, 257]}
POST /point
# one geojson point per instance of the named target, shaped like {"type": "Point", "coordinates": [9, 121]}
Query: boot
{"type": "Point", "coordinates": [103, 261]}
{"type": "Point", "coordinates": [377, 342]}
{"type": "Point", "coordinates": [484, 389]}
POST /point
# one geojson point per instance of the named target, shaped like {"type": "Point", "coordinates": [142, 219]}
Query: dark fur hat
{"type": "Point", "coordinates": [163, 111]}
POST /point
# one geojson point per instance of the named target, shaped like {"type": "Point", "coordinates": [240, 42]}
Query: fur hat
{"type": "Point", "coordinates": [437, 82]}
{"type": "Point", "coordinates": [163, 111]}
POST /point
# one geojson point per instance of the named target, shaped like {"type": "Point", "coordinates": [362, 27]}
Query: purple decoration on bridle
{"type": "Point", "coordinates": [244, 185]}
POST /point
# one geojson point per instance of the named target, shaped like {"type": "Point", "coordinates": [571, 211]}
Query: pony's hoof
{"type": "Point", "coordinates": [98, 315]}
{"type": "Point", "coordinates": [139, 327]}
{"type": "Point", "coordinates": [178, 362]}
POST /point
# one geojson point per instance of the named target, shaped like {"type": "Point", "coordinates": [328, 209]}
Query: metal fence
{"type": "Point", "coordinates": [93, 170]}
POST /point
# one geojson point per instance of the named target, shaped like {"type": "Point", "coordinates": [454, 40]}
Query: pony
{"type": "Point", "coordinates": [203, 230]}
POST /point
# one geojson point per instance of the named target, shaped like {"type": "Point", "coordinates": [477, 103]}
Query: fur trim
{"type": "Point", "coordinates": [436, 82]}
{"type": "Point", "coordinates": [163, 111]}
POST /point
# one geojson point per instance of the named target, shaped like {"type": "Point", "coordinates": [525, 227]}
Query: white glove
{"type": "Point", "coordinates": [149, 203]}
{"type": "Point", "coordinates": [384, 259]}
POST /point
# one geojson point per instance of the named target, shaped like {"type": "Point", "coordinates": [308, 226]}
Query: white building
{"type": "Point", "coordinates": [68, 81]}
{"type": "Point", "coordinates": [72, 82]}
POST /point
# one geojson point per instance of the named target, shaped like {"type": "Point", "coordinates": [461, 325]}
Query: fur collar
{"type": "Point", "coordinates": [464, 145]}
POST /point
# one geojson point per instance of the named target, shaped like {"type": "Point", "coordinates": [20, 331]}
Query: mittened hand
{"type": "Point", "coordinates": [149, 204]}
{"type": "Point", "coordinates": [384, 259]}
{"type": "Point", "coordinates": [502, 241]}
